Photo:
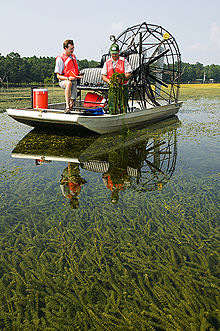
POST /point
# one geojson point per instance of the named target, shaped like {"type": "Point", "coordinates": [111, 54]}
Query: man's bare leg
{"type": "Point", "coordinates": [72, 103]}
{"type": "Point", "coordinates": [68, 93]}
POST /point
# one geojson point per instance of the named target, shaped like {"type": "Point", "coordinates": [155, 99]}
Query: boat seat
{"type": "Point", "coordinates": [133, 59]}
{"type": "Point", "coordinates": [92, 78]}
{"type": "Point", "coordinates": [133, 172]}
{"type": "Point", "coordinates": [95, 166]}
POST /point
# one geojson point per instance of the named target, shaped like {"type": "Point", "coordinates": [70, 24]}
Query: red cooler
{"type": "Point", "coordinates": [40, 98]}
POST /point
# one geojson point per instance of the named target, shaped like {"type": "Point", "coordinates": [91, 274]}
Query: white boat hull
{"type": "Point", "coordinates": [113, 123]}
{"type": "Point", "coordinates": [99, 124]}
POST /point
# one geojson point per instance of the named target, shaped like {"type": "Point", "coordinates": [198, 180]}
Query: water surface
{"type": "Point", "coordinates": [115, 232]}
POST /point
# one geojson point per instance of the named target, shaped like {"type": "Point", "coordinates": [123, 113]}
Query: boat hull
{"type": "Point", "coordinates": [48, 121]}
{"type": "Point", "coordinates": [114, 123]}
{"type": "Point", "coordinates": [100, 124]}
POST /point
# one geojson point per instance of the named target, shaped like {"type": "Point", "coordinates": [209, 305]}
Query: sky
{"type": "Point", "coordinates": [39, 27]}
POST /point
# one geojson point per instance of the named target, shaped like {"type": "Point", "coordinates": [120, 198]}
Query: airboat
{"type": "Point", "coordinates": [155, 59]}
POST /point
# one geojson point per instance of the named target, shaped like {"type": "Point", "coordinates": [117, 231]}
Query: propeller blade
{"type": "Point", "coordinates": [150, 92]}
{"type": "Point", "coordinates": [158, 47]}
{"type": "Point", "coordinates": [157, 80]}
{"type": "Point", "coordinates": [151, 148]}
{"type": "Point", "coordinates": [152, 60]}
{"type": "Point", "coordinates": [151, 165]}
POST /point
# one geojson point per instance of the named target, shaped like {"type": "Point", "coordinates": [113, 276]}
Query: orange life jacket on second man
{"type": "Point", "coordinates": [71, 67]}
{"type": "Point", "coordinates": [75, 187]}
{"type": "Point", "coordinates": [120, 67]}
{"type": "Point", "coordinates": [110, 184]}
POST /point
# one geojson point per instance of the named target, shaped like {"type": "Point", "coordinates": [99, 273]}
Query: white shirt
{"type": "Point", "coordinates": [59, 67]}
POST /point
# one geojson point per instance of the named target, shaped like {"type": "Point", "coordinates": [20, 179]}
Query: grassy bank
{"type": "Point", "coordinates": [196, 91]}
{"type": "Point", "coordinates": [16, 97]}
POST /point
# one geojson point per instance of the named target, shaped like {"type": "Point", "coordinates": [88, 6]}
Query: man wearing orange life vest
{"type": "Point", "coordinates": [116, 64]}
{"type": "Point", "coordinates": [67, 71]}
{"type": "Point", "coordinates": [71, 183]}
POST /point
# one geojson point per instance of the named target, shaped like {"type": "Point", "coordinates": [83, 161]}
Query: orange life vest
{"type": "Point", "coordinates": [75, 187]}
{"type": "Point", "coordinates": [120, 67]}
{"type": "Point", "coordinates": [70, 65]}
{"type": "Point", "coordinates": [110, 184]}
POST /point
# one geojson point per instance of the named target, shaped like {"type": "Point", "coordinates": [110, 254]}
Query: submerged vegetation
{"type": "Point", "coordinates": [149, 262]}
{"type": "Point", "coordinates": [154, 267]}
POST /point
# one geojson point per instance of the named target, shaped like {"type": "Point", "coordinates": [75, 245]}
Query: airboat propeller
{"type": "Point", "coordinates": [155, 79]}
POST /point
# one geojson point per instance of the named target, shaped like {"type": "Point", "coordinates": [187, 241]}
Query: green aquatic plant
{"type": "Point", "coordinates": [116, 95]}
{"type": "Point", "coordinates": [148, 263]}
{"type": "Point", "coordinates": [109, 273]}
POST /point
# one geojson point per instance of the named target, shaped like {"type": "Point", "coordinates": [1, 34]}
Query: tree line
{"type": "Point", "coordinates": [18, 70]}
{"type": "Point", "coordinates": [15, 69]}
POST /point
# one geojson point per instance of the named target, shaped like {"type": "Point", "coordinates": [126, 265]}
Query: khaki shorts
{"type": "Point", "coordinates": [62, 84]}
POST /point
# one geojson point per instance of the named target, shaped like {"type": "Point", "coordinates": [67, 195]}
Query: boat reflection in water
{"type": "Point", "coordinates": [141, 160]}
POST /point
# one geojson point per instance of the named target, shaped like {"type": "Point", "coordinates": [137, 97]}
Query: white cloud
{"type": "Point", "coordinates": [215, 34]}
{"type": "Point", "coordinates": [115, 28]}
{"type": "Point", "coordinates": [198, 47]}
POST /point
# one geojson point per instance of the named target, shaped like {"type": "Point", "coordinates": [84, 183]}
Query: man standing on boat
{"type": "Point", "coordinates": [116, 64]}
{"type": "Point", "coordinates": [67, 71]}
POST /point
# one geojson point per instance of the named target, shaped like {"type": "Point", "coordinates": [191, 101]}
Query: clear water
{"type": "Point", "coordinates": [116, 232]}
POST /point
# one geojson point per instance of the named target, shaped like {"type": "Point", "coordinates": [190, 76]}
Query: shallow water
{"type": "Point", "coordinates": [116, 232]}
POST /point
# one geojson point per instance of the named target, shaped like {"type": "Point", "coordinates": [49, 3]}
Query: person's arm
{"type": "Point", "coordinates": [128, 70]}
{"type": "Point", "coordinates": [106, 79]}
{"type": "Point", "coordinates": [104, 74]}
{"type": "Point", "coordinates": [128, 76]}
{"type": "Point", "coordinates": [61, 77]}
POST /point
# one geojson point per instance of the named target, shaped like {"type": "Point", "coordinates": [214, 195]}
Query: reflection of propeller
{"type": "Point", "coordinates": [153, 167]}
{"type": "Point", "coordinates": [158, 165]}
{"type": "Point", "coordinates": [153, 147]}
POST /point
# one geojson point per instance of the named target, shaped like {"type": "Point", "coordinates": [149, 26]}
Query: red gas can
{"type": "Point", "coordinates": [94, 100]}
{"type": "Point", "coordinates": [40, 98]}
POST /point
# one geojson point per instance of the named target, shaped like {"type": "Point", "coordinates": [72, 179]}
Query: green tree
{"type": "Point", "coordinates": [87, 64]}
{"type": "Point", "coordinates": [213, 72]}
{"type": "Point", "coordinates": [16, 70]}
